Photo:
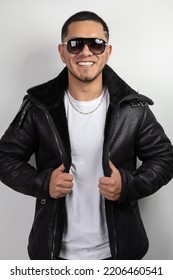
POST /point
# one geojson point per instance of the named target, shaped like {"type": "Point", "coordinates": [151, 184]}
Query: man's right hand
{"type": "Point", "coordinates": [60, 183]}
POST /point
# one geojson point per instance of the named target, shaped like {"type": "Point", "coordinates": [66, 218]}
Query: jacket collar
{"type": "Point", "coordinates": [51, 93]}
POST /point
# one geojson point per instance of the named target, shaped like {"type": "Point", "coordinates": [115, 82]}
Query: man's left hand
{"type": "Point", "coordinates": [110, 187]}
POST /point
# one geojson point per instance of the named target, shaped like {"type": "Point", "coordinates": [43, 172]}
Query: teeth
{"type": "Point", "coordinates": [82, 63]}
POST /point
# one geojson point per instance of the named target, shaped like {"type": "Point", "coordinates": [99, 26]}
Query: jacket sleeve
{"type": "Point", "coordinates": [155, 151]}
{"type": "Point", "coordinates": [17, 145]}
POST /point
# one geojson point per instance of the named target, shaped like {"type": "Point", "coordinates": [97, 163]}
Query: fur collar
{"type": "Point", "coordinates": [51, 93]}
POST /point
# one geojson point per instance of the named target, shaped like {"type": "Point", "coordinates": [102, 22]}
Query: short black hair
{"type": "Point", "coordinates": [82, 16]}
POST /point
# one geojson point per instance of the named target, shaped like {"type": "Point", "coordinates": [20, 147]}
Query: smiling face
{"type": "Point", "coordinates": [85, 66]}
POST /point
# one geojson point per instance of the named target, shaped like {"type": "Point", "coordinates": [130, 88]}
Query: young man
{"type": "Point", "coordinates": [86, 128]}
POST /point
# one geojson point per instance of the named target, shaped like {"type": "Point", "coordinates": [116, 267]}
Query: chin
{"type": "Point", "coordinates": [88, 78]}
{"type": "Point", "coordinates": [85, 77]}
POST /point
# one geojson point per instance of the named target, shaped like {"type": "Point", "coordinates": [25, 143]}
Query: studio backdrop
{"type": "Point", "coordinates": [141, 36]}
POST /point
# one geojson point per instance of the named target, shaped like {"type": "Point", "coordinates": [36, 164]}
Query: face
{"type": "Point", "coordinates": [85, 66]}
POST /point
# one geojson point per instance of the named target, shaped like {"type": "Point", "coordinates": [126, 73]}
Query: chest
{"type": "Point", "coordinates": [86, 130]}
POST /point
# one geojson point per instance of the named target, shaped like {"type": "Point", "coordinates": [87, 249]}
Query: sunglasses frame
{"type": "Point", "coordinates": [86, 41]}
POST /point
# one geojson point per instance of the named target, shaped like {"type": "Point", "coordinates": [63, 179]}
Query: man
{"type": "Point", "coordinates": [86, 128]}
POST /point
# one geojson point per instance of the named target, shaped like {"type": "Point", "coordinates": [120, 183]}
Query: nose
{"type": "Point", "coordinates": [86, 51]}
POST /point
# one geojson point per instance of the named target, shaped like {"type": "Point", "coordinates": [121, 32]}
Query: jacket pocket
{"type": "Point", "coordinates": [39, 208]}
{"type": "Point", "coordinates": [41, 235]}
{"type": "Point", "coordinates": [132, 241]}
{"type": "Point", "coordinates": [136, 212]}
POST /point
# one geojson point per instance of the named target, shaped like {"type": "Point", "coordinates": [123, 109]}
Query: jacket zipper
{"type": "Point", "coordinates": [114, 250]}
{"type": "Point", "coordinates": [54, 235]}
{"type": "Point", "coordinates": [63, 157]}
{"type": "Point", "coordinates": [113, 247]}
{"type": "Point", "coordinates": [133, 203]}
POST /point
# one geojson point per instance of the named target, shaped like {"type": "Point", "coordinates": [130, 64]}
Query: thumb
{"type": "Point", "coordinates": [112, 167]}
{"type": "Point", "coordinates": [61, 168]}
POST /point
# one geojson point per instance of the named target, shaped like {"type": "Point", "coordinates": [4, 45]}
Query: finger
{"type": "Point", "coordinates": [61, 168]}
{"type": "Point", "coordinates": [68, 177]}
{"type": "Point", "coordinates": [64, 180]}
{"type": "Point", "coordinates": [109, 189]}
{"type": "Point", "coordinates": [65, 189]}
{"type": "Point", "coordinates": [112, 167]}
{"type": "Point", "coordinates": [66, 185]}
{"type": "Point", "coordinates": [107, 181]}
{"type": "Point", "coordinates": [61, 192]}
{"type": "Point", "coordinates": [64, 177]}
{"type": "Point", "coordinates": [103, 187]}
{"type": "Point", "coordinates": [110, 195]}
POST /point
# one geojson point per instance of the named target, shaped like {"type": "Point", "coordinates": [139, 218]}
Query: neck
{"type": "Point", "coordinates": [85, 91]}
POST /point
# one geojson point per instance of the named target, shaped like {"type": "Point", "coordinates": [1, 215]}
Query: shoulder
{"type": "Point", "coordinates": [27, 112]}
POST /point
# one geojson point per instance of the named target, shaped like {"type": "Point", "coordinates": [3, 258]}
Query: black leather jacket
{"type": "Point", "coordinates": [131, 131]}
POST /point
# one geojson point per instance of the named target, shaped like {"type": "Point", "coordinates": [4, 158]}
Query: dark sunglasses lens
{"type": "Point", "coordinates": [95, 45]}
{"type": "Point", "coordinates": [75, 46]}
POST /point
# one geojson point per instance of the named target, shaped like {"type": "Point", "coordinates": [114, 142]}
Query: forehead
{"type": "Point", "coordinates": [86, 29]}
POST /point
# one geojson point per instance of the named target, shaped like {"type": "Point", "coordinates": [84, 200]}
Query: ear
{"type": "Point", "coordinates": [109, 51]}
{"type": "Point", "coordinates": [61, 52]}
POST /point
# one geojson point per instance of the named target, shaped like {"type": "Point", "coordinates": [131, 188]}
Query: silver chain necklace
{"type": "Point", "coordinates": [85, 113]}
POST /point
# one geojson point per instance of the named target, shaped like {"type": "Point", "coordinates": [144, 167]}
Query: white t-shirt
{"type": "Point", "coordinates": [86, 235]}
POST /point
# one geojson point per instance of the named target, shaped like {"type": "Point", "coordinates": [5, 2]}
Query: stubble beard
{"type": "Point", "coordinates": [85, 79]}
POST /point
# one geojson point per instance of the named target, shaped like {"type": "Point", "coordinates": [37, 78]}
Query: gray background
{"type": "Point", "coordinates": [141, 35]}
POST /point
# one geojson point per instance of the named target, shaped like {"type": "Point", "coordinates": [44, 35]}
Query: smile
{"type": "Point", "coordinates": [85, 63]}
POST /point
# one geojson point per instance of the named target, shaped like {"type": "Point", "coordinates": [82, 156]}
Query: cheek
{"type": "Point", "coordinates": [69, 63]}
{"type": "Point", "coordinates": [63, 60]}
{"type": "Point", "coordinates": [104, 61]}
{"type": "Point", "coordinates": [64, 56]}
{"type": "Point", "coordinates": [68, 59]}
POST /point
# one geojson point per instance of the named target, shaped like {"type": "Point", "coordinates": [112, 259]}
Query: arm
{"type": "Point", "coordinates": [17, 145]}
{"type": "Point", "coordinates": [155, 151]}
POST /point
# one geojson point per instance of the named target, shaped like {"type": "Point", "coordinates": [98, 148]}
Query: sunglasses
{"type": "Point", "coordinates": [95, 45]}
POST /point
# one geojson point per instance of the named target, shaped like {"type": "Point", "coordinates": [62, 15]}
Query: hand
{"type": "Point", "coordinates": [110, 187]}
{"type": "Point", "coordinates": [60, 183]}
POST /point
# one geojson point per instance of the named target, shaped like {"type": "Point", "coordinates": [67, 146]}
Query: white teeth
{"type": "Point", "coordinates": [83, 63]}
